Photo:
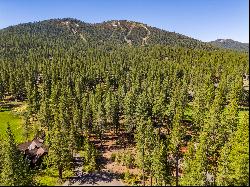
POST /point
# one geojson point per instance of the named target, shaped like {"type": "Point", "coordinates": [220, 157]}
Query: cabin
{"type": "Point", "coordinates": [33, 151]}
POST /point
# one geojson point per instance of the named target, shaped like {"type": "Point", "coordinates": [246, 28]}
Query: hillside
{"type": "Point", "coordinates": [230, 44]}
{"type": "Point", "coordinates": [113, 32]}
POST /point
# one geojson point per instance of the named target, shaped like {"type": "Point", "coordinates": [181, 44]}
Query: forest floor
{"type": "Point", "coordinates": [112, 145]}
{"type": "Point", "coordinates": [110, 172]}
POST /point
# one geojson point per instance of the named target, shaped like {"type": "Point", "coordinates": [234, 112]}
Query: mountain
{"type": "Point", "coordinates": [113, 32]}
{"type": "Point", "coordinates": [230, 44]}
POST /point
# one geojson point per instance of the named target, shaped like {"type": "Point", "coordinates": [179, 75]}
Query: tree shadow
{"type": "Point", "coordinates": [245, 108]}
{"type": "Point", "coordinates": [94, 178]}
{"type": "Point", "coordinates": [8, 106]}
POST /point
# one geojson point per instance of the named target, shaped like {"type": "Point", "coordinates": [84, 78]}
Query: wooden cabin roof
{"type": "Point", "coordinates": [33, 146]}
{"type": "Point", "coordinates": [22, 147]}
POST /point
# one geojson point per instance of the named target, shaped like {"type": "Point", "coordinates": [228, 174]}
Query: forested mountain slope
{"type": "Point", "coordinates": [114, 32]}
{"type": "Point", "coordinates": [230, 44]}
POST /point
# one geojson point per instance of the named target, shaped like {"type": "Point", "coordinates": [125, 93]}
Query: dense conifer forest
{"type": "Point", "coordinates": [180, 104]}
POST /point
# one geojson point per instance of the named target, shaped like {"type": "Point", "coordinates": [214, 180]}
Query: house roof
{"type": "Point", "coordinates": [33, 149]}
{"type": "Point", "coordinates": [24, 146]}
{"type": "Point", "coordinates": [41, 151]}
{"type": "Point", "coordinates": [37, 152]}
{"type": "Point", "coordinates": [33, 152]}
{"type": "Point", "coordinates": [32, 146]}
{"type": "Point", "coordinates": [35, 143]}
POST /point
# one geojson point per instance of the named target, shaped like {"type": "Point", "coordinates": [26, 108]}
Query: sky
{"type": "Point", "coordinates": [205, 20]}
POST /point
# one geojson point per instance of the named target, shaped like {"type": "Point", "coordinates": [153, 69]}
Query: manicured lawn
{"type": "Point", "coordinates": [15, 122]}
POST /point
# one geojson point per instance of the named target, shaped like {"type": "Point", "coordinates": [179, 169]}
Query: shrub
{"type": "Point", "coordinates": [118, 158]}
{"type": "Point", "coordinates": [91, 166]}
{"type": "Point", "coordinates": [113, 157]}
{"type": "Point", "coordinates": [90, 155]}
{"type": "Point", "coordinates": [129, 160]}
{"type": "Point", "coordinates": [126, 159]}
{"type": "Point", "coordinates": [127, 176]}
{"type": "Point", "coordinates": [131, 179]}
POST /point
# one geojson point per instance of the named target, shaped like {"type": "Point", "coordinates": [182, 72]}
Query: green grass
{"type": "Point", "coordinates": [15, 122]}
{"type": "Point", "coordinates": [50, 177]}
{"type": "Point", "coordinates": [45, 180]}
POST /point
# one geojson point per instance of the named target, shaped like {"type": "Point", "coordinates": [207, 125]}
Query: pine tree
{"type": "Point", "coordinates": [72, 138]}
{"type": "Point", "coordinates": [160, 166]}
{"type": "Point", "coordinates": [233, 164]}
{"type": "Point", "coordinates": [143, 109]}
{"type": "Point", "coordinates": [145, 141]}
{"type": "Point", "coordinates": [64, 111]}
{"type": "Point", "coordinates": [87, 115]}
{"type": "Point", "coordinates": [229, 119]}
{"type": "Point", "coordinates": [201, 160]}
{"type": "Point", "coordinates": [109, 105]}
{"type": "Point", "coordinates": [59, 153]}
{"type": "Point", "coordinates": [177, 134]}
{"type": "Point", "coordinates": [199, 108]}
{"type": "Point", "coordinates": [16, 170]}
{"type": "Point", "coordinates": [158, 109]}
{"type": "Point", "coordinates": [214, 133]}
{"type": "Point", "coordinates": [100, 121]}
{"type": "Point", "coordinates": [90, 157]}
{"type": "Point", "coordinates": [115, 114]}
{"type": "Point", "coordinates": [129, 111]}
{"type": "Point", "coordinates": [45, 113]}
{"type": "Point", "coordinates": [76, 126]}
{"type": "Point", "coordinates": [195, 164]}
{"type": "Point", "coordinates": [112, 109]}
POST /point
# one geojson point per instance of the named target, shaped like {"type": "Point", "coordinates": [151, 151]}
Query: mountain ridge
{"type": "Point", "coordinates": [230, 44]}
{"type": "Point", "coordinates": [113, 31]}
{"type": "Point", "coordinates": [118, 32]}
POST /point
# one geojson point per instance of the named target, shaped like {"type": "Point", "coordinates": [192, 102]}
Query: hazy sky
{"type": "Point", "coordinates": [205, 20]}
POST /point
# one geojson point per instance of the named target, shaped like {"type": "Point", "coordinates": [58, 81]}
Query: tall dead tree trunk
{"type": "Point", "coordinates": [60, 170]}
